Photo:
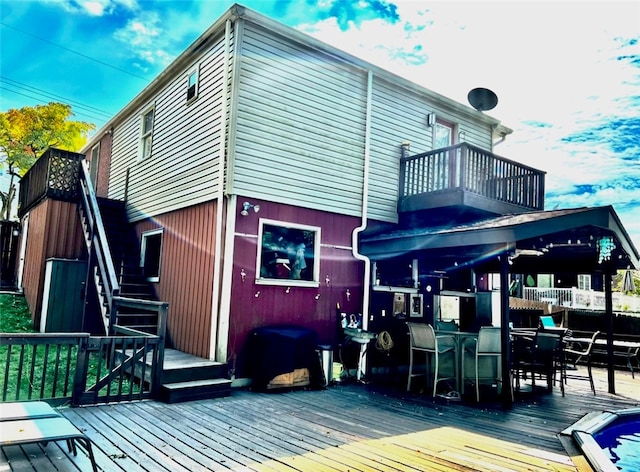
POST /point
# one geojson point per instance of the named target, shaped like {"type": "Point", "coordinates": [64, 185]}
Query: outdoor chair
{"type": "Point", "coordinates": [446, 325]}
{"type": "Point", "coordinates": [581, 352]}
{"type": "Point", "coordinates": [423, 339]}
{"type": "Point", "coordinates": [486, 346]}
{"type": "Point", "coordinates": [541, 358]}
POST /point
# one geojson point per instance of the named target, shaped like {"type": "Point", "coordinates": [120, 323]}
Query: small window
{"type": "Point", "coordinates": [146, 136]}
{"type": "Point", "coordinates": [584, 281]}
{"type": "Point", "coordinates": [443, 135]}
{"type": "Point", "coordinates": [192, 85]}
{"type": "Point", "coordinates": [150, 255]}
{"type": "Point", "coordinates": [288, 254]}
{"type": "Point", "coordinates": [93, 164]}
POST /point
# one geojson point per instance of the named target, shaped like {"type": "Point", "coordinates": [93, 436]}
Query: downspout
{"type": "Point", "coordinates": [365, 203]}
{"type": "Point", "coordinates": [220, 212]}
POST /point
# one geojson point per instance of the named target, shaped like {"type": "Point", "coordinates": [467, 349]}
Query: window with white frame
{"type": "Point", "coordinates": [192, 85]}
{"type": "Point", "coordinates": [584, 281]}
{"type": "Point", "coordinates": [93, 164]}
{"type": "Point", "coordinates": [288, 254]}
{"type": "Point", "coordinates": [146, 133]}
{"type": "Point", "coordinates": [151, 254]}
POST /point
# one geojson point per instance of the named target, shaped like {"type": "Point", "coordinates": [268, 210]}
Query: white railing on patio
{"type": "Point", "coordinates": [583, 299]}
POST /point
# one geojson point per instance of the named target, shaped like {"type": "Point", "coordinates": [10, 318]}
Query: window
{"type": "Point", "coordinates": [443, 136]}
{"type": "Point", "coordinates": [288, 254]}
{"type": "Point", "coordinates": [150, 255]}
{"type": "Point", "coordinates": [584, 281]}
{"type": "Point", "coordinates": [146, 134]}
{"type": "Point", "coordinates": [93, 164]}
{"type": "Point", "coordinates": [192, 85]}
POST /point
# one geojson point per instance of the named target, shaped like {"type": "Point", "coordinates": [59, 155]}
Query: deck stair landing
{"type": "Point", "coordinates": [186, 377]}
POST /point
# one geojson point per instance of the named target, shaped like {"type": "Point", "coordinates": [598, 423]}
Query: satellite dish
{"type": "Point", "coordinates": [482, 99]}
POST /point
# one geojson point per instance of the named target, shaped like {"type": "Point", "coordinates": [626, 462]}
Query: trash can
{"type": "Point", "coordinates": [326, 359]}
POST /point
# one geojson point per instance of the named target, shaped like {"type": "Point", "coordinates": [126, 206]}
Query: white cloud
{"type": "Point", "coordinates": [146, 39]}
{"type": "Point", "coordinates": [93, 7]}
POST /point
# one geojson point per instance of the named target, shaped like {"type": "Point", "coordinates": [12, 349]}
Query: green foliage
{"type": "Point", "coordinates": [26, 133]}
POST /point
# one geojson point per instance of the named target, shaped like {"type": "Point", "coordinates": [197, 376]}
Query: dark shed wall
{"type": "Point", "coordinates": [300, 307]}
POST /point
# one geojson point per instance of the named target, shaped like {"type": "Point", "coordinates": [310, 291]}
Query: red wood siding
{"type": "Point", "coordinates": [186, 274]}
{"type": "Point", "coordinates": [300, 306]}
{"type": "Point", "coordinates": [54, 231]}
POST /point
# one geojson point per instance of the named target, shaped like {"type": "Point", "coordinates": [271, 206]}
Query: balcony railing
{"type": "Point", "coordinates": [466, 168]}
{"type": "Point", "coordinates": [582, 299]}
{"type": "Point", "coordinates": [54, 175]}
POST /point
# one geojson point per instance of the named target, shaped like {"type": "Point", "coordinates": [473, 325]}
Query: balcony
{"type": "Point", "coordinates": [54, 175]}
{"type": "Point", "coordinates": [468, 177]}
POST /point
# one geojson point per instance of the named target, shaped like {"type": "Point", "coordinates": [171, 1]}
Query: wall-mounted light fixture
{"type": "Point", "coordinates": [317, 297]}
{"type": "Point", "coordinates": [431, 119]}
{"type": "Point", "coordinates": [246, 206]}
{"type": "Point", "coordinates": [327, 280]}
{"type": "Point", "coordinates": [243, 275]}
{"type": "Point", "coordinates": [348, 293]}
{"type": "Point", "coordinates": [462, 136]}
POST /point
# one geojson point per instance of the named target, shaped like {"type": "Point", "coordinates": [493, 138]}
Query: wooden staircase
{"type": "Point", "coordinates": [186, 377]}
{"type": "Point", "coordinates": [129, 302]}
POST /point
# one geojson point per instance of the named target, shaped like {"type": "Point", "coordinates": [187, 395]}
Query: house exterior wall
{"type": "Point", "coordinates": [104, 166]}
{"type": "Point", "coordinates": [300, 128]}
{"type": "Point", "coordinates": [255, 305]}
{"type": "Point", "coordinates": [182, 169]}
{"type": "Point", "coordinates": [54, 231]}
{"type": "Point", "coordinates": [186, 274]}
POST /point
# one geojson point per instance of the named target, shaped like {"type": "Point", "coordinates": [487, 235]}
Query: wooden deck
{"type": "Point", "coordinates": [348, 427]}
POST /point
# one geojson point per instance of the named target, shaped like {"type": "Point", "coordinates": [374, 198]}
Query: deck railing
{"type": "Point", "coordinates": [582, 299]}
{"type": "Point", "coordinates": [54, 175]}
{"type": "Point", "coordinates": [80, 369]}
{"type": "Point", "coordinates": [468, 168]}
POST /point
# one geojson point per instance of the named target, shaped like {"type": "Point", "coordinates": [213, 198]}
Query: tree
{"type": "Point", "coordinates": [26, 133]}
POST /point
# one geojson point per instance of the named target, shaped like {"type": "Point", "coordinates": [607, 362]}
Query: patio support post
{"type": "Point", "coordinates": [608, 303]}
{"type": "Point", "coordinates": [505, 342]}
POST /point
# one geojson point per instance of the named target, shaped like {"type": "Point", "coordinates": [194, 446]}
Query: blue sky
{"type": "Point", "coordinates": [567, 74]}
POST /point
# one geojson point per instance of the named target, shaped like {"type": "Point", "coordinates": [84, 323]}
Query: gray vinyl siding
{"type": "Point", "coordinates": [400, 115]}
{"type": "Point", "coordinates": [182, 169]}
{"type": "Point", "coordinates": [300, 128]}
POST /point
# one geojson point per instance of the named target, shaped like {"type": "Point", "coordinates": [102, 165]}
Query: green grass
{"type": "Point", "coordinates": [14, 315]}
{"type": "Point", "coordinates": [15, 318]}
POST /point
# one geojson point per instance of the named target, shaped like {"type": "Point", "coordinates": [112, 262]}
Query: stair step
{"type": "Point", "coordinates": [195, 390]}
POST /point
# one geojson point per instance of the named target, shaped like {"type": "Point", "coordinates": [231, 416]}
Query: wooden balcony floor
{"type": "Point", "coordinates": [344, 428]}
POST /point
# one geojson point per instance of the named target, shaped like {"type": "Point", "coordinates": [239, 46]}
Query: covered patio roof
{"type": "Point", "coordinates": [539, 241]}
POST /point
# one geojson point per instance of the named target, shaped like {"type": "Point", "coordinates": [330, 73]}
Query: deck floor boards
{"type": "Point", "coordinates": [348, 427]}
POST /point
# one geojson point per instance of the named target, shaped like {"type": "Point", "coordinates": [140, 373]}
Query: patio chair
{"type": "Point", "coordinates": [423, 339]}
{"type": "Point", "coordinates": [579, 352]}
{"type": "Point", "coordinates": [542, 358]}
{"type": "Point", "coordinates": [488, 346]}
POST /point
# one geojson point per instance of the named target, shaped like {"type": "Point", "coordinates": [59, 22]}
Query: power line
{"type": "Point", "coordinates": [47, 95]}
{"type": "Point", "coordinates": [81, 113]}
{"type": "Point", "coordinates": [75, 52]}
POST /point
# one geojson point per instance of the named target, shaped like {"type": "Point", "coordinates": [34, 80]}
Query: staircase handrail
{"type": "Point", "coordinates": [162, 308]}
{"type": "Point", "coordinates": [99, 238]}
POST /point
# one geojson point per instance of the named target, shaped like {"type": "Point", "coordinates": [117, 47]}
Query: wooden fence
{"type": "Point", "coordinates": [80, 369]}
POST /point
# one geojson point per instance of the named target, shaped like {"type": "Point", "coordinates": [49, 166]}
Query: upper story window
{"type": "Point", "coordinates": [150, 254]}
{"type": "Point", "coordinates": [146, 134]}
{"type": "Point", "coordinates": [443, 135]}
{"type": "Point", "coordinates": [192, 85]}
{"type": "Point", "coordinates": [288, 254]}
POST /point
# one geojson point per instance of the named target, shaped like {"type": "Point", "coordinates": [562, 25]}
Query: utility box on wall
{"type": "Point", "coordinates": [63, 295]}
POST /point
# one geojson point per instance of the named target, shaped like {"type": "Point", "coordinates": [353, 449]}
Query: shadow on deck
{"type": "Point", "coordinates": [346, 427]}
